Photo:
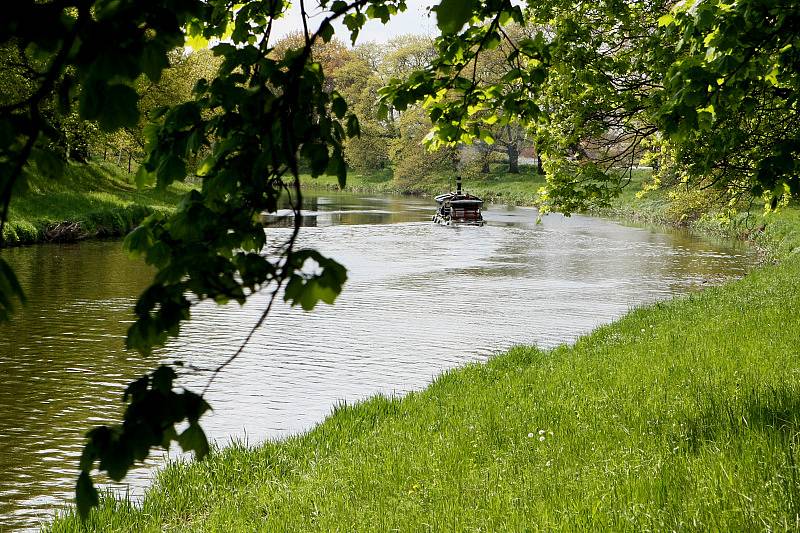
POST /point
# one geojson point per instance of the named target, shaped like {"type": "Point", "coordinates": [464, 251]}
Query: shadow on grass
{"type": "Point", "coordinates": [773, 410]}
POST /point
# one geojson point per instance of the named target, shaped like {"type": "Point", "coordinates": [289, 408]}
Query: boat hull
{"type": "Point", "coordinates": [447, 221]}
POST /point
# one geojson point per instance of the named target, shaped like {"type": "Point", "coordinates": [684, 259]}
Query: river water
{"type": "Point", "coordinates": [420, 299]}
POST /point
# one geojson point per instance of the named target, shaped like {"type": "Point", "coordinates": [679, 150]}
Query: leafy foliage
{"type": "Point", "coordinates": [731, 102]}
{"type": "Point", "coordinates": [10, 290]}
{"type": "Point", "coordinates": [150, 418]}
{"type": "Point", "coordinates": [69, 51]}
{"type": "Point", "coordinates": [705, 91]}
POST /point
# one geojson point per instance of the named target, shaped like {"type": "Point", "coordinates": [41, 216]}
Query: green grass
{"type": "Point", "coordinates": [684, 415]}
{"type": "Point", "coordinates": [90, 200]}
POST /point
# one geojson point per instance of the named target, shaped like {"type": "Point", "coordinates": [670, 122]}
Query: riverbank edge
{"type": "Point", "coordinates": [95, 200]}
{"type": "Point", "coordinates": [490, 192]}
{"type": "Point", "coordinates": [106, 224]}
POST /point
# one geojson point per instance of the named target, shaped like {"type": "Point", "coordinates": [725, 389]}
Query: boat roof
{"type": "Point", "coordinates": [455, 198]}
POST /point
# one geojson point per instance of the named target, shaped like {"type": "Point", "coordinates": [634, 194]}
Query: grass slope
{"type": "Point", "coordinates": [90, 200]}
{"type": "Point", "coordinates": [680, 416]}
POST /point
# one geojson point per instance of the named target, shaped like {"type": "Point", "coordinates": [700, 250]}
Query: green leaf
{"type": "Point", "coordinates": [138, 240]}
{"type": "Point", "coordinates": [338, 105]}
{"type": "Point", "coordinates": [7, 274]}
{"type": "Point", "coordinates": [317, 155]}
{"type": "Point", "coordinates": [10, 289]}
{"type": "Point", "coordinates": [206, 166]}
{"type": "Point", "coordinates": [492, 41]}
{"type": "Point", "coordinates": [194, 439]}
{"type": "Point", "coordinates": [379, 12]}
{"type": "Point", "coordinates": [170, 168]}
{"type": "Point", "coordinates": [144, 178]}
{"type": "Point", "coordinates": [163, 378]}
{"type": "Point", "coordinates": [120, 108]}
{"type": "Point", "coordinates": [325, 286]}
{"type": "Point", "coordinates": [353, 126]}
{"type": "Point", "coordinates": [326, 31]}
{"type": "Point", "coordinates": [114, 106]}
{"type": "Point", "coordinates": [134, 392]}
{"type": "Point", "coordinates": [154, 61]}
{"type": "Point", "coordinates": [86, 495]}
{"type": "Point", "coordinates": [337, 167]}
{"type": "Point", "coordinates": [451, 15]}
{"type": "Point", "coordinates": [195, 37]}
{"type": "Point", "coordinates": [313, 293]}
{"type": "Point", "coordinates": [666, 20]}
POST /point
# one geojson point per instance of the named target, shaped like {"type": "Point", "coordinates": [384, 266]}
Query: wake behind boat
{"type": "Point", "coordinates": [458, 208]}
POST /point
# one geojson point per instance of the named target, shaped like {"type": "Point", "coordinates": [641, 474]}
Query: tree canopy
{"type": "Point", "coordinates": [707, 88]}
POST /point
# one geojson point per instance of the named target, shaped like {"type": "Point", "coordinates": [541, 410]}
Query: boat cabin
{"type": "Point", "coordinates": [458, 208]}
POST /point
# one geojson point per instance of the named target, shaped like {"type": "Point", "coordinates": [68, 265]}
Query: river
{"type": "Point", "coordinates": [420, 299]}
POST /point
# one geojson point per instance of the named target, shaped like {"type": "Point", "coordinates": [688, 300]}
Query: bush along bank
{"type": "Point", "coordinates": [681, 415]}
{"type": "Point", "coordinates": [89, 200]}
{"type": "Point", "coordinates": [699, 211]}
{"type": "Point", "coordinates": [772, 234]}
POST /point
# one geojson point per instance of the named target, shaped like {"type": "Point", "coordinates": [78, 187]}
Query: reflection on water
{"type": "Point", "coordinates": [421, 298]}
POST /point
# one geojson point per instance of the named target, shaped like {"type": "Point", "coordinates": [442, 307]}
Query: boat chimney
{"type": "Point", "coordinates": [458, 184]}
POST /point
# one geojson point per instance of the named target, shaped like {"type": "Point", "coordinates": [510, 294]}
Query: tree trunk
{"type": "Point", "coordinates": [513, 159]}
{"type": "Point", "coordinates": [485, 166]}
{"type": "Point", "coordinates": [105, 153]}
{"type": "Point", "coordinates": [539, 169]}
{"type": "Point", "coordinates": [130, 155]}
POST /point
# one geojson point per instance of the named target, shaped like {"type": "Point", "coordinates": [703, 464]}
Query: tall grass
{"type": "Point", "coordinates": [684, 415]}
{"type": "Point", "coordinates": [90, 200]}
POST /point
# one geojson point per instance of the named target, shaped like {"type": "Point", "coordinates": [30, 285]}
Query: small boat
{"type": "Point", "coordinates": [458, 208]}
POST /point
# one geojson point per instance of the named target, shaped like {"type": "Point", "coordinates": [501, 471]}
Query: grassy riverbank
{"type": "Point", "coordinates": [90, 200]}
{"type": "Point", "coordinates": [682, 415]}
{"type": "Point", "coordinates": [774, 234]}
